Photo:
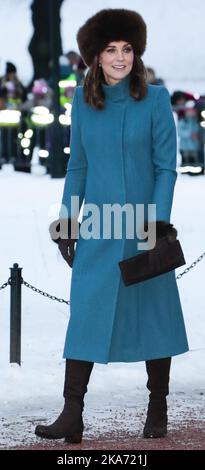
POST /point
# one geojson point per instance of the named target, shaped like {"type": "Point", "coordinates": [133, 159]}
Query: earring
{"type": "Point", "coordinates": [100, 64]}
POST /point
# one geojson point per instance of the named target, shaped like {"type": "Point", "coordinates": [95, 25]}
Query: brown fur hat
{"type": "Point", "coordinates": [108, 25]}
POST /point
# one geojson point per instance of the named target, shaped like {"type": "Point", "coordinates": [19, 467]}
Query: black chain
{"type": "Point", "coordinates": [45, 294]}
{"type": "Point", "coordinates": [191, 266]}
{"type": "Point", "coordinates": [53, 297]}
{"type": "Point", "coordinates": [4, 285]}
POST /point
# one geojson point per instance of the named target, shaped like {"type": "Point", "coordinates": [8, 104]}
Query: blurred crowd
{"type": "Point", "coordinates": [13, 95]}
{"type": "Point", "coordinates": [189, 110]}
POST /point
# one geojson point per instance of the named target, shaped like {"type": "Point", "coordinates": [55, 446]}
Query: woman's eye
{"type": "Point", "coordinates": [127, 49]}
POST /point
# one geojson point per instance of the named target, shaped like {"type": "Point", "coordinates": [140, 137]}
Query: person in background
{"type": "Point", "coordinates": [41, 95]}
{"type": "Point", "coordinates": [190, 135]}
{"type": "Point", "coordinates": [151, 77]}
{"type": "Point", "coordinates": [71, 72]}
{"type": "Point", "coordinates": [69, 65]}
{"type": "Point", "coordinates": [179, 99]}
{"type": "Point", "coordinates": [16, 93]}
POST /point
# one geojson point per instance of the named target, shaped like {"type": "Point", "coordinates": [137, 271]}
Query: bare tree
{"type": "Point", "coordinates": [39, 46]}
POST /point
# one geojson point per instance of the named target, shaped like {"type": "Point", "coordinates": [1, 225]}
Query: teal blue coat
{"type": "Point", "coordinates": [123, 153]}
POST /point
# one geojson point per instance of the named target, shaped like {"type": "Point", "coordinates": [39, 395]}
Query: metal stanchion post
{"type": "Point", "coordinates": [15, 314]}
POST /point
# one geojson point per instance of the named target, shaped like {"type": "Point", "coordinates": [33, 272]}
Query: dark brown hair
{"type": "Point", "coordinates": [93, 91]}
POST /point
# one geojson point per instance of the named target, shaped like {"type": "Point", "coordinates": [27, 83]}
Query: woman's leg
{"type": "Point", "coordinates": [158, 384]}
{"type": "Point", "coordinates": [69, 423]}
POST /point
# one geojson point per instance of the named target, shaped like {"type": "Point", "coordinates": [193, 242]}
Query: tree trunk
{"type": "Point", "coordinates": [39, 46]}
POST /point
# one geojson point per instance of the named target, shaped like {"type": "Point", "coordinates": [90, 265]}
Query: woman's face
{"type": "Point", "coordinates": [116, 61]}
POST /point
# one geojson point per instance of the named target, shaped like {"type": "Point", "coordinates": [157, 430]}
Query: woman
{"type": "Point", "coordinates": [123, 150]}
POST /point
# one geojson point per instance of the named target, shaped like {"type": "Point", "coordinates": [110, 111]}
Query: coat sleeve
{"type": "Point", "coordinates": [164, 150]}
{"type": "Point", "coordinates": [77, 166]}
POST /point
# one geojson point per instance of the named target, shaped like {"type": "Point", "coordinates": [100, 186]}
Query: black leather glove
{"type": "Point", "coordinates": [67, 250]}
{"type": "Point", "coordinates": [60, 232]}
{"type": "Point", "coordinates": [163, 230]}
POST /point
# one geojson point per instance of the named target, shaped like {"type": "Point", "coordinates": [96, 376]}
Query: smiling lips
{"type": "Point", "coordinates": [119, 67]}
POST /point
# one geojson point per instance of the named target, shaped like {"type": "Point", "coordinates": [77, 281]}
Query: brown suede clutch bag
{"type": "Point", "coordinates": [164, 257]}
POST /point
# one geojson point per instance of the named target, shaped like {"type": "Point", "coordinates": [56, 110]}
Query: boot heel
{"type": "Point", "coordinates": [73, 438]}
{"type": "Point", "coordinates": [156, 422]}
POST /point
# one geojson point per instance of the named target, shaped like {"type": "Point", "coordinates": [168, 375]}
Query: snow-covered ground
{"type": "Point", "coordinates": [33, 392]}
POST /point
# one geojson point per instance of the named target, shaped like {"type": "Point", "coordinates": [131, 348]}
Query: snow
{"type": "Point", "coordinates": [33, 392]}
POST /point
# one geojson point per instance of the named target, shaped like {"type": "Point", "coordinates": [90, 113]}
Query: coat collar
{"type": "Point", "coordinates": [118, 92]}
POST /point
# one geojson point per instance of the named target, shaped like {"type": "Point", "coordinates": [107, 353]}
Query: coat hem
{"type": "Point", "coordinates": [97, 359]}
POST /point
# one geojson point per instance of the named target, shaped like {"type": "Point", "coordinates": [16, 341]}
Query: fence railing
{"type": "Point", "coordinates": [16, 281]}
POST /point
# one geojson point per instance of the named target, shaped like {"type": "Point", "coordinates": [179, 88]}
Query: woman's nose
{"type": "Point", "coordinates": [119, 55]}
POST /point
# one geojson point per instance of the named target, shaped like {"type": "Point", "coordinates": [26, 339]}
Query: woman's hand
{"type": "Point", "coordinates": [163, 230]}
{"type": "Point", "coordinates": [66, 247]}
{"type": "Point", "coordinates": [60, 232]}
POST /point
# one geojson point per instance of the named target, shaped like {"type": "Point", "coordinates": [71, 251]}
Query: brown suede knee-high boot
{"type": "Point", "coordinates": [69, 423]}
{"type": "Point", "coordinates": [158, 384]}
